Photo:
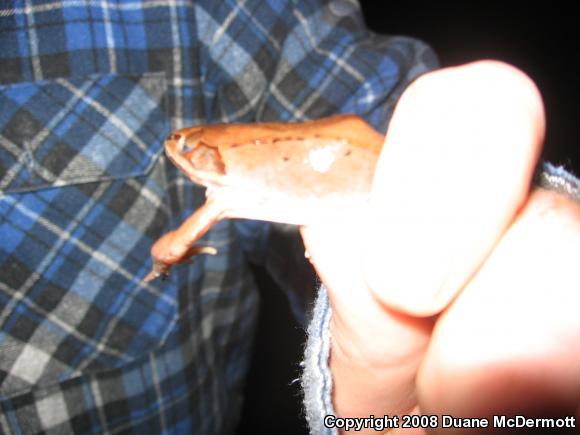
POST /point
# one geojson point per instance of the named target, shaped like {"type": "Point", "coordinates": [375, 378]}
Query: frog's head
{"type": "Point", "coordinates": [199, 160]}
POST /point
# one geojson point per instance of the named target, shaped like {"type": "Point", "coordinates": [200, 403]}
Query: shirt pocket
{"type": "Point", "coordinates": [81, 193]}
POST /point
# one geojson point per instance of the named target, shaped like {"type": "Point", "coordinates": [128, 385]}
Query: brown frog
{"type": "Point", "coordinates": [295, 173]}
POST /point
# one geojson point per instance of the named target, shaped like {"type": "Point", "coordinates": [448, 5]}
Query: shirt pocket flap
{"type": "Point", "coordinates": [79, 130]}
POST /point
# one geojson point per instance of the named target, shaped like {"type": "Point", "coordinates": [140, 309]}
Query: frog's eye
{"type": "Point", "coordinates": [190, 141]}
{"type": "Point", "coordinates": [206, 158]}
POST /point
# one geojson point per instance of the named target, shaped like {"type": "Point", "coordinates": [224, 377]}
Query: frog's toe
{"type": "Point", "coordinates": [151, 276]}
{"type": "Point", "coordinates": [159, 270]}
{"type": "Point", "coordinates": [196, 250]}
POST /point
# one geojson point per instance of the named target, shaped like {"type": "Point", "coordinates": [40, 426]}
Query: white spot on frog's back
{"type": "Point", "coordinates": [321, 159]}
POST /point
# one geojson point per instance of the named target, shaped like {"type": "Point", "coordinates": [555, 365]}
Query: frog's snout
{"type": "Point", "coordinates": [174, 141]}
{"type": "Point", "coordinates": [173, 136]}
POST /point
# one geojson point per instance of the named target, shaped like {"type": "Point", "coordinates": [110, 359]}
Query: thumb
{"type": "Point", "coordinates": [456, 166]}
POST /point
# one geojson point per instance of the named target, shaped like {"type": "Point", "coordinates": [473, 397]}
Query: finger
{"type": "Point", "coordinates": [382, 347]}
{"type": "Point", "coordinates": [456, 166]}
{"type": "Point", "coordinates": [509, 343]}
{"type": "Point", "coordinates": [336, 254]}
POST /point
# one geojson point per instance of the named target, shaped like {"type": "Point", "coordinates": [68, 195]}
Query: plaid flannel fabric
{"type": "Point", "coordinates": [88, 91]}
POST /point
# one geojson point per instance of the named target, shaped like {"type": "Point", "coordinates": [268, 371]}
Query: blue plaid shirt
{"type": "Point", "coordinates": [88, 91]}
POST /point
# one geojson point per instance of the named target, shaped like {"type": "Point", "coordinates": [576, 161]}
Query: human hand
{"type": "Point", "coordinates": [458, 292]}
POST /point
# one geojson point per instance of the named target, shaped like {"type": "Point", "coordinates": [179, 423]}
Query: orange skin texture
{"type": "Point", "coordinates": [295, 173]}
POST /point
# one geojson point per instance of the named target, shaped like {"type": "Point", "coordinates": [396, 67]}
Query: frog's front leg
{"type": "Point", "coordinates": [178, 246]}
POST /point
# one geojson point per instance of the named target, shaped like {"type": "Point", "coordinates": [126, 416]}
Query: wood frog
{"type": "Point", "coordinates": [294, 173]}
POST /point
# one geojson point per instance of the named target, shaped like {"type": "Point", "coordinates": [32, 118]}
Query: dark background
{"type": "Point", "coordinates": [543, 40]}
